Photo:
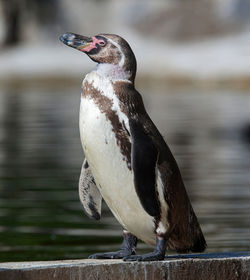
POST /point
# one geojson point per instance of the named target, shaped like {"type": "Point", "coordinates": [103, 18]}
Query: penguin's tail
{"type": "Point", "coordinates": [197, 238]}
{"type": "Point", "coordinates": [188, 236]}
{"type": "Point", "coordinates": [196, 244]}
{"type": "Point", "coordinates": [199, 244]}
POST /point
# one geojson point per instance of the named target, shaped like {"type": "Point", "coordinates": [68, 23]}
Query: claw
{"type": "Point", "coordinates": [128, 248]}
{"type": "Point", "coordinates": [157, 255]}
{"type": "Point", "coordinates": [110, 255]}
{"type": "Point", "coordinates": [147, 257]}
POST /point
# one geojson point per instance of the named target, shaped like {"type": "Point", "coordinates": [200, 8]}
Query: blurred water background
{"type": "Point", "coordinates": [194, 75]}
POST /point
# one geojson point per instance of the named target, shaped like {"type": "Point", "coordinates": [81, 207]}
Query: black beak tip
{"type": "Point", "coordinates": [74, 40]}
{"type": "Point", "coordinates": [61, 38]}
{"type": "Point", "coordinates": [67, 38]}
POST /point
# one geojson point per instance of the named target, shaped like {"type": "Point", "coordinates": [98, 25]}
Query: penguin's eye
{"type": "Point", "coordinates": [102, 43]}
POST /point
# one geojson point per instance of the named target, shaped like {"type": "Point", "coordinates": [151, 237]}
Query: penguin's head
{"type": "Point", "coordinates": [104, 49]}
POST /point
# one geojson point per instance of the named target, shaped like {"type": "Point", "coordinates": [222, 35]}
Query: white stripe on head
{"type": "Point", "coordinates": [121, 63]}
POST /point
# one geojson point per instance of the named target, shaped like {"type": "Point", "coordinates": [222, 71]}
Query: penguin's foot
{"type": "Point", "coordinates": [128, 248]}
{"type": "Point", "coordinates": [111, 255]}
{"type": "Point", "coordinates": [157, 255]}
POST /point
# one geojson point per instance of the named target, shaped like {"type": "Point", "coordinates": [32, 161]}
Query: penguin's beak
{"type": "Point", "coordinates": [79, 42]}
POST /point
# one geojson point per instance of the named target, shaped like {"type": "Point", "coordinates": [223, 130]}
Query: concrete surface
{"type": "Point", "coordinates": [222, 266]}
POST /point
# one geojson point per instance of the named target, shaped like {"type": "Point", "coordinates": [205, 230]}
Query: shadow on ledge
{"type": "Point", "coordinates": [209, 255]}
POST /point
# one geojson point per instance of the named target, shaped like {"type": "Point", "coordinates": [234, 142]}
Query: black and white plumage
{"type": "Point", "coordinates": [127, 162]}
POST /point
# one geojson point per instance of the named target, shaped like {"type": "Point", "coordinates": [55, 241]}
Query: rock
{"type": "Point", "coordinates": [201, 266]}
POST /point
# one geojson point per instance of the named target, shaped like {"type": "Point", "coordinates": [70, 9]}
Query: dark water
{"type": "Point", "coordinates": [40, 159]}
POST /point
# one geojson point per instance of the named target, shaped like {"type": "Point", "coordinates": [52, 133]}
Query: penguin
{"type": "Point", "coordinates": [127, 161]}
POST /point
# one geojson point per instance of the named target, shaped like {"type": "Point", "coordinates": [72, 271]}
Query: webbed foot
{"type": "Point", "coordinates": [147, 257]}
{"type": "Point", "coordinates": [111, 255]}
{"type": "Point", "coordinates": [128, 248]}
{"type": "Point", "coordinates": [157, 255]}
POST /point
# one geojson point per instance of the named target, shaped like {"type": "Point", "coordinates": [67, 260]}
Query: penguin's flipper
{"type": "Point", "coordinates": [90, 196]}
{"type": "Point", "coordinates": [144, 159]}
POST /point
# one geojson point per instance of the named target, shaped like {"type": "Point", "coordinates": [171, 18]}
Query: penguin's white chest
{"type": "Point", "coordinates": [101, 149]}
{"type": "Point", "coordinates": [111, 171]}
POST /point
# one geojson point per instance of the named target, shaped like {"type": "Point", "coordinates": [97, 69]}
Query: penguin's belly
{"type": "Point", "coordinates": [110, 170]}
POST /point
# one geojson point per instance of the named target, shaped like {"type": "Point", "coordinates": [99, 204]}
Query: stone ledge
{"type": "Point", "coordinates": [224, 266]}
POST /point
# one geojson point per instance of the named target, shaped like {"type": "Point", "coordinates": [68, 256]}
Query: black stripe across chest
{"type": "Point", "coordinates": [105, 105]}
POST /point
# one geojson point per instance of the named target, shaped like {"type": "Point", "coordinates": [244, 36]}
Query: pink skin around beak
{"type": "Point", "coordinates": [81, 43]}
{"type": "Point", "coordinates": [91, 45]}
